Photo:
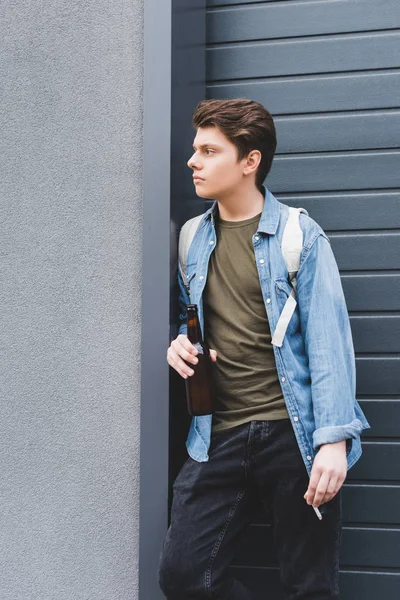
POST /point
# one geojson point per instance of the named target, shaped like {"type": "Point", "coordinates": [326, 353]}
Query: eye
{"type": "Point", "coordinates": [208, 150]}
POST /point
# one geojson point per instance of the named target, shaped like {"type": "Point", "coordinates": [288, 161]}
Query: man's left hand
{"type": "Point", "coordinates": [327, 474]}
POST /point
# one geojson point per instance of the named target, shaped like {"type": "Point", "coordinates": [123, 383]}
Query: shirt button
{"type": "Point", "coordinates": [309, 458]}
{"type": "Point", "coordinates": [283, 379]}
{"type": "Point", "coordinates": [268, 300]}
{"type": "Point", "coordinates": [257, 237]}
{"type": "Point", "coordinates": [295, 418]}
{"type": "Point", "coordinates": [262, 261]}
{"type": "Point", "coordinates": [201, 277]}
{"type": "Point", "coordinates": [211, 243]}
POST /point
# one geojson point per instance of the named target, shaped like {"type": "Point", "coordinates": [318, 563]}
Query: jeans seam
{"type": "Point", "coordinates": [336, 589]}
{"type": "Point", "coordinates": [219, 542]}
{"type": "Point", "coordinates": [247, 458]}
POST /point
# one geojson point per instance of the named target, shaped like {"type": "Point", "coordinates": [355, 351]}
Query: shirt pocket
{"type": "Point", "coordinates": [283, 290]}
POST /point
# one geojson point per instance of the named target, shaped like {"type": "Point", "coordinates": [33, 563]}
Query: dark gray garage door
{"type": "Point", "coordinates": [329, 73]}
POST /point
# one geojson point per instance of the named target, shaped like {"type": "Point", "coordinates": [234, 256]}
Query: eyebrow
{"type": "Point", "coordinates": [205, 145]}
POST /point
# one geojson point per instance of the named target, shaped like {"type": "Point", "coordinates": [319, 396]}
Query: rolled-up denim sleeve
{"type": "Point", "coordinates": [183, 302]}
{"type": "Point", "coordinates": [325, 326]}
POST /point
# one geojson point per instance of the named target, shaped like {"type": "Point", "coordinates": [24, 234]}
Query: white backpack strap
{"type": "Point", "coordinates": [186, 236]}
{"type": "Point", "coordinates": [292, 244]}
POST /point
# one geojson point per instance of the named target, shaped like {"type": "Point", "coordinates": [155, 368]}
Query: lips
{"type": "Point", "coordinates": [197, 179]}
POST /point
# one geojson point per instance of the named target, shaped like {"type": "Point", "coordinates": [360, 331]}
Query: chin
{"type": "Point", "coordinates": [214, 193]}
{"type": "Point", "coordinates": [202, 193]}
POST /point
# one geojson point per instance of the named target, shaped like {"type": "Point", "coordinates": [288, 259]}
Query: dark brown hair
{"type": "Point", "coordinates": [246, 123]}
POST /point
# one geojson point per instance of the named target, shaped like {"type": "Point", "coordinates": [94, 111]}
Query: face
{"type": "Point", "coordinates": [215, 163]}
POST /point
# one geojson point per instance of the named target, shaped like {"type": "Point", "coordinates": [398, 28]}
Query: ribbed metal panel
{"type": "Point", "coordinates": [329, 73]}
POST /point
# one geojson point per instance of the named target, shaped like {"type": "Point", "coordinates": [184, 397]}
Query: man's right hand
{"type": "Point", "coordinates": [182, 350]}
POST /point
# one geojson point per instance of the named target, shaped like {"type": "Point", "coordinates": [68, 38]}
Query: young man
{"type": "Point", "coordinates": [286, 426]}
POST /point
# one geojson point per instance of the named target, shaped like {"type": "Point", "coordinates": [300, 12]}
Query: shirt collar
{"type": "Point", "coordinates": [270, 215]}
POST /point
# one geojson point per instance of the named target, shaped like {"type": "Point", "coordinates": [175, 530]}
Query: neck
{"type": "Point", "coordinates": [240, 204]}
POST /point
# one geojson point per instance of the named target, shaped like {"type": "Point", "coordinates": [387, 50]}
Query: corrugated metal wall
{"type": "Point", "coordinates": [329, 73]}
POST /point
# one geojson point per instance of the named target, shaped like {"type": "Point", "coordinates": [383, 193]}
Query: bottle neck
{"type": "Point", "coordinates": [193, 328]}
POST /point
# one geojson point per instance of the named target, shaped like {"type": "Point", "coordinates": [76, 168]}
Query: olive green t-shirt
{"type": "Point", "coordinates": [246, 381]}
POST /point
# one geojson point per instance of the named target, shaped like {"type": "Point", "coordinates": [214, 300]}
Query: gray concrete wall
{"type": "Point", "coordinates": [70, 298]}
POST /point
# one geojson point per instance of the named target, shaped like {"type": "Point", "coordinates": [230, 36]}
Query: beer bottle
{"type": "Point", "coordinates": [199, 386]}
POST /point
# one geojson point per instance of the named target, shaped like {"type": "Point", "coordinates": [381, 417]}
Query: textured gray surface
{"type": "Point", "coordinates": [70, 295]}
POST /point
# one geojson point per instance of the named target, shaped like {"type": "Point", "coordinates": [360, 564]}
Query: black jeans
{"type": "Point", "coordinates": [212, 507]}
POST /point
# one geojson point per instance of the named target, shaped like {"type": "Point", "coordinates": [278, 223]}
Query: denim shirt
{"type": "Point", "coordinates": [316, 362]}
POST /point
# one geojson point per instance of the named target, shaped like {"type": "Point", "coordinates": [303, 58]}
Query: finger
{"type": "Point", "coordinates": [321, 489]}
{"type": "Point", "coordinates": [312, 486]}
{"type": "Point", "coordinates": [182, 340]}
{"type": "Point", "coordinates": [332, 490]}
{"type": "Point", "coordinates": [179, 371]}
{"type": "Point", "coordinates": [183, 353]}
{"type": "Point", "coordinates": [340, 481]}
{"type": "Point", "coordinates": [213, 354]}
{"type": "Point", "coordinates": [178, 364]}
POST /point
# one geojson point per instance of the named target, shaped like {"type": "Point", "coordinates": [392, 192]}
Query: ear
{"type": "Point", "coordinates": [251, 162]}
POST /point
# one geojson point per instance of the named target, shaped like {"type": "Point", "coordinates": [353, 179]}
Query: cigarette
{"type": "Point", "coordinates": [317, 512]}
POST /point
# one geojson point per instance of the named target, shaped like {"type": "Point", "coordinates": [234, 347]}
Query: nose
{"type": "Point", "coordinates": [191, 163]}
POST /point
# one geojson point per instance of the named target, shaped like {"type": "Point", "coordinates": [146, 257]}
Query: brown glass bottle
{"type": "Point", "coordinates": [199, 386]}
